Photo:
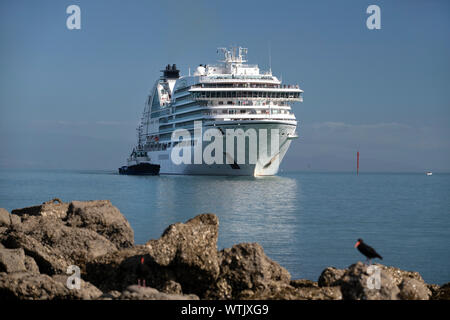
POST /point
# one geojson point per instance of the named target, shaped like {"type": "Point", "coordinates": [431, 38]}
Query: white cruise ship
{"type": "Point", "coordinates": [233, 99]}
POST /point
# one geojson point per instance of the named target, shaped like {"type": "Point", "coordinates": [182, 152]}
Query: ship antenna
{"type": "Point", "coordinates": [270, 58]}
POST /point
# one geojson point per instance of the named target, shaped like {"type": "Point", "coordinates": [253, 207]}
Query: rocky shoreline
{"type": "Point", "coordinates": [38, 244]}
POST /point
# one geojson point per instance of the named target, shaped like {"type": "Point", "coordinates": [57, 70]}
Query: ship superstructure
{"type": "Point", "coordinates": [232, 95]}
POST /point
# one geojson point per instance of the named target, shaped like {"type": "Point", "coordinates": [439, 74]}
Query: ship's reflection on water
{"type": "Point", "coordinates": [250, 209]}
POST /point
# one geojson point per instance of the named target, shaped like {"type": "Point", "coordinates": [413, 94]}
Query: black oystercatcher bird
{"type": "Point", "coordinates": [366, 250]}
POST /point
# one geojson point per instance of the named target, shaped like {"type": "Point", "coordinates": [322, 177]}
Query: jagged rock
{"type": "Point", "coordinates": [443, 293]}
{"type": "Point", "coordinates": [400, 275]}
{"type": "Point", "coordinates": [5, 219]}
{"type": "Point", "coordinates": [359, 284]}
{"type": "Point", "coordinates": [186, 253]}
{"type": "Point", "coordinates": [15, 219]}
{"type": "Point", "coordinates": [12, 260]}
{"type": "Point", "coordinates": [172, 287]}
{"type": "Point", "coordinates": [53, 208]}
{"type": "Point", "coordinates": [304, 290]}
{"type": "Point", "coordinates": [103, 218]}
{"type": "Point", "coordinates": [330, 277]}
{"type": "Point", "coordinates": [116, 271]}
{"type": "Point", "coordinates": [29, 286]}
{"type": "Point", "coordinates": [190, 250]}
{"type": "Point", "coordinates": [87, 291]}
{"type": "Point", "coordinates": [111, 295]}
{"type": "Point", "coordinates": [135, 292]}
{"type": "Point", "coordinates": [303, 283]}
{"type": "Point", "coordinates": [246, 267]}
{"type": "Point", "coordinates": [434, 288]}
{"type": "Point", "coordinates": [413, 289]}
{"type": "Point", "coordinates": [55, 246]}
{"type": "Point", "coordinates": [31, 265]}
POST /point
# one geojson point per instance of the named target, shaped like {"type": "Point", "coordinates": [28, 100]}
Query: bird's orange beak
{"type": "Point", "coordinates": [357, 244]}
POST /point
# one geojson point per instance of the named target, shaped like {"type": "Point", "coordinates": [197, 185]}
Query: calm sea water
{"type": "Point", "coordinates": [304, 221]}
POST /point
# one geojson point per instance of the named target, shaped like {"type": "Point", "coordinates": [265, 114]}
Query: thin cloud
{"type": "Point", "coordinates": [342, 125]}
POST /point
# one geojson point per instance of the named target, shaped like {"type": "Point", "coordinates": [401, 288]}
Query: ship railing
{"type": "Point", "coordinates": [245, 85]}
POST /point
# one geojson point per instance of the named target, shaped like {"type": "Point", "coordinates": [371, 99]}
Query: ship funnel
{"type": "Point", "coordinates": [171, 72]}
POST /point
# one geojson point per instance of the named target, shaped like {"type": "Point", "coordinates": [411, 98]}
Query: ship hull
{"type": "Point", "coordinates": [141, 169]}
{"type": "Point", "coordinates": [267, 162]}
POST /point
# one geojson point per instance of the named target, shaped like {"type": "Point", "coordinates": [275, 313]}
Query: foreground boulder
{"type": "Point", "coordinates": [330, 277]}
{"type": "Point", "coordinates": [27, 286]}
{"type": "Point", "coordinates": [413, 289]}
{"type": "Point", "coordinates": [358, 283]}
{"type": "Point", "coordinates": [54, 246]}
{"type": "Point", "coordinates": [5, 218]}
{"type": "Point", "coordinates": [12, 260]}
{"type": "Point", "coordinates": [186, 254]}
{"type": "Point", "coordinates": [245, 270]}
{"type": "Point", "coordinates": [442, 293]}
{"type": "Point", "coordinates": [135, 292]}
{"type": "Point", "coordinates": [99, 216]}
{"type": "Point", "coordinates": [53, 208]}
{"type": "Point", "coordinates": [103, 218]}
{"type": "Point", "coordinates": [57, 234]}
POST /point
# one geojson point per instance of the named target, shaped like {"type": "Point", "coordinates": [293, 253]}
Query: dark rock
{"type": "Point", "coordinates": [111, 295]}
{"type": "Point", "coordinates": [5, 219]}
{"type": "Point", "coordinates": [443, 293]}
{"type": "Point", "coordinates": [103, 218]}
{"type": "Point", "coordinates": [186, 253]}
{"type": "Point", "coordinates": [358, 284]}
{"type": "Point", "coordinates": [12, 260]}
{"type": "Point", "coordinates": [116, 271]}
{"type": "Point", "coordinates": [400, 275]}
{"type": "Point", "coordinates": [31, 265]}
{"type": "Point", "coordinates": [303, 291]}
{"type": "Point", "coordinates": [172, 287]}
{"type": "Point", "coordinates": [303, 283]}
{"type": "Point", "coordinates": [53, 208]}
{"type": "Point", "coordinates": [190, 250]}
{"type": "Point", "coordinates": [55, 246]}
{"type": "Point", "coordinates": [15, 220]}
{"type": "Point", "coordinates": [29, 286]}
{"type": "Point", "coordinates": [140, 293]}
{"type": "Point", "coordinates": [413, 289]}
{"type": "Point", "coordinates": [246, 267]}
{"type": "Point", "coordinates": [330, 277]}
{"type": "Point", "coordinates": [87, 291]}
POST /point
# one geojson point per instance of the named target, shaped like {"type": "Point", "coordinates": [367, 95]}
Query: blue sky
{"type": "Point", "coordinates": [71, 99]}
